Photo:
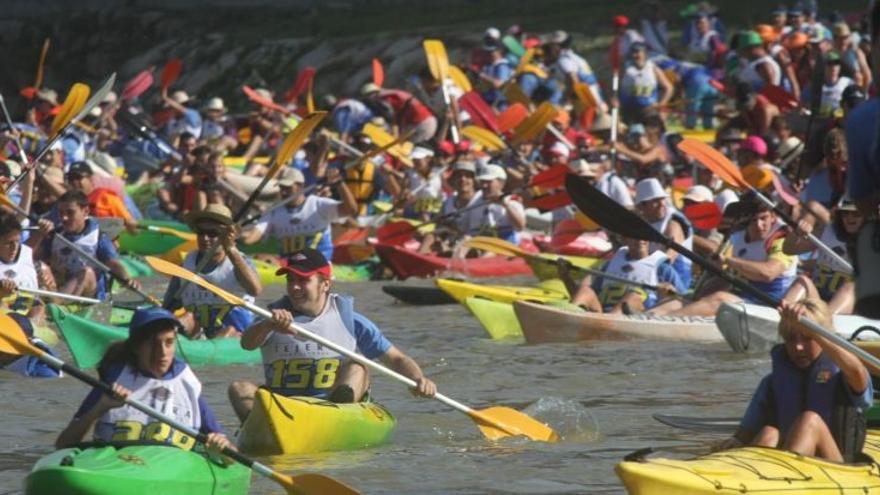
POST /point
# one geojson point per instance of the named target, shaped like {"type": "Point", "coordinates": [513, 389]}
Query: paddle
{"type": "Point", "coordinates": [486, 138]}
{"type": "Point", "coordinates": [5, 201]}
{"type": "Point", "coordinates": [259, 99]}
{"type": "Point", "coordinates": [616, 218]}
{"type": "Point", "coordinates": [534, 124]}
{"type": "Point", "coordinates": [438, 64]}
{"type": "Point", "coordinates": [699, 425]}
{"type": "Point", "coordinates": [511, 117]}
{"type": "Point", "coordinates": [731, 174]}
{"type": "Point", "coordinates": [504, 248]}
{"type": "Point", "coordinates": [460, 78]}
{"type": "Point", "coordinates": [378, 73]}
{"type": "Point", "coordinates": [302, 83]}
{"type": "Point", "coordinates": [14, 341]}
{"type": "Point", "coordinates": [74, 101]}
{"type": "Point", "coordinates": [137, 85]}
{"type": "Point", "coordinates": [480, 111]}
{"type": "Point", "coordinates": [397, 233]}
{"type": "Point", "coordinates": [566, 232]}
{"type": "Point", "coordinates": [41, 65]}
{"type": "Point", "coordinates": [780, 97]}
{"type": "Point", "coordinates": [186, 236]}
{"type": "Point", "coordinates": [170, 73]}
{"type": "Point", "coordinates": [704, 216]}
{"type": "Point", "coordinates": [615, 90]}
{"type": "Point", "coordinates": [21, 154]}
{"type": "Point", "coordinates": [493, 422]}
{"type": "Point", "coordinates": [59, 295]}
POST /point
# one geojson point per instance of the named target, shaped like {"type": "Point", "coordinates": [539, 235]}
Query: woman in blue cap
{"type": "Point", "coordinates": [144, 367]}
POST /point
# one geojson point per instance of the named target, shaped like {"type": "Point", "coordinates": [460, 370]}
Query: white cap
{"type": "Point", "coordinates": [724, 198]}
{"type": "Point", "coordinates": [110, 98]}
{"type": "Point", "coordinates": [180, 97]}
{"type": "Point", "coordinates": [95, 111]}
{"type": "Point", "coordinates": [215, 103]}
{"type": "Point", "coordinates": [492, 32]}
{"type": "Point", "coordinates": [584, 168]}
{"type": "Point", "coordinates": [699, 194]}
{"type": "Point", "coordinates": [492, 172]}
{"type": "Point", "coordinates": [290, 176]}
{"type": "Point", "coordinates": [369, 88]}
{"type": "Point", "coordinates": [559, 149]}
{"type": "Point", "coordinates": [419, 153]}
{"type": "Point", "coordinates": [648, 189]}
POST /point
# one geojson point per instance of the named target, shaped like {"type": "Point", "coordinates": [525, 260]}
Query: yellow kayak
{"type": "Point", "coordinates": [305, 425]}
{"type": "Point", "coordinates": [753, 470]}
{"type": "Point", "coordinates": [497, 318]}
{"type": "Point", "coordinates": [546, 271]}
{"type": "Point", "coordinates": [550, 290]}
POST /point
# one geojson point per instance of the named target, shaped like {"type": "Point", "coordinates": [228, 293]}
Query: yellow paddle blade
{"type": "Point", "coordinates": [534, 124]}
{"type": "Point", "coordinates": [312, 484]}
{"type": "Point", "coordinates": [75, 100]}
{"type": "Point", "coordinates": [515, 94]}
{"type": "Point", "coordinates": [385, 141]}
{"type": "Point", "coordinates": [499, 422]}
{"type": "Point", "coordinates": [460, 78]}
{"type": "Point", "coordinates": [584, 94]}
{"type": "Point", "coordinates": [13, 340]}
{"type": "Point", "coordinates": [295, 140]}
{"type": "Point", "coordinates": [525, 60]}
{"type": "Point", "coordinates": [438, 62]}
{"type": "Point", "coordinates": [182, 273]}
{"type": "Point", "coordinates": [484, 137]}
{"type": "Point", "coordinates": [759, 178]}
{"type": "Point", "coordinates": [586, 222]}
{"type": "Point", "coordinates": [497, 246]}
{"type": "Point", "coordinates": [186, 236]}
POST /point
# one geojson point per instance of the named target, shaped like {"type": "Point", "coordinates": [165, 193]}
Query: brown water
{"type": "Point", "coordinates": [599, 396]}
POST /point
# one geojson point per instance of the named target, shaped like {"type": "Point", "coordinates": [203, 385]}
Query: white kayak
{"type": "Point", "coordinates": [754, 328]}
{"type": "Point", "coordinates": [542, 324]}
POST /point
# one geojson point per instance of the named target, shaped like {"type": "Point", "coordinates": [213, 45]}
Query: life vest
{"type": "Point", "coordinates": [21, 271]}
{"type": "Point", "coordinates": [64, 260]}
{"type": "Point", "coordinates": [819, 389]}
{"type": "Point", "coordinates": [408, 110]}
{"type": "Point", "coordinates": [702, 46]}
{"type": "Point", "coordinates": [643, 271]}
{"type": "Point", "coordinates": [303, 226]}
{"type": "Point", "coordinates": [751, 75]}
{"type": "Point", "coordinates": [468, 222]}
{"type": "Point", "coordinates": [176, 396]}
{"type": "Point", "coordinates": [428, 193]}
{"type": "Point", "coordinates": [639, 87]}
{"type": "Point", "coordinates": [831, 96]}
{"type": "Point", "coordinates": [101, 201]}
{"type": "Point", "coordinates": [496, 222]}
{"type": "Point", "coordinates": [849, 59]}
{"type": "Point", "coordinates": [298, 366]}
{"type": "Point", "coordinates": [682, 265]}
{"type": "Point", "coordinates": [829, 275]}
{"type": "Point", "coordinates": [360, 180]}
{"type": "Point", "coordinates": [758, 250]}
{"type": "Point", "coordinates": [208, 309]}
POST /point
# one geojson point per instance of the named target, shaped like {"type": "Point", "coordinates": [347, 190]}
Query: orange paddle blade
{"type": "Point", "coordinates": [514, 93]}
{"type": "Point", "coordinates": [499, 422]}
{"type": "Point", "coordinates": [378, 73]}
{"type": "Point", "coordinates": [259, 99]}
{"type": "Point", "coordinates": [512, 116]}
{"type": "Point", "coordinates": [704, 216]}
{"type": "Point", "coordinates": [171, 72]}
{"type": "Point", "coordinates": [757, 177]}
{"type": "Point", "coordinates": [584, 94]}
{"type": "Point", "coordinates": [714, 160]}
{"type": "Point", "coordinates": [395, 233]}
{"type": "Point", "coordinates": [180, 272]}
{"type": "Point", "coordinates": [76, 99]}
{"type": "Point", "coordinates": [41, 65]}
{"type": "Point", "coordinates": [312, 484]}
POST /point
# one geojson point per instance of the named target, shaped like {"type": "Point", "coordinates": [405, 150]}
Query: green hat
{"type": "Point", "coordinates": [832, 58]}
{"type": "Point", "coordinates": [749, 38]}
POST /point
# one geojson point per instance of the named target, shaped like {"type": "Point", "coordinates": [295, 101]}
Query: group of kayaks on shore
{"type": "Point", "coordinates": [657, 235]}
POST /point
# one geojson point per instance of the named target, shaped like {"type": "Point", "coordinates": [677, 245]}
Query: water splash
{"type": "Point", "coordinates": [571, 419]}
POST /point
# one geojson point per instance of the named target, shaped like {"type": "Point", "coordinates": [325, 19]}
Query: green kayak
{"type": "Point", "coordinates": [135, 267]}
{"type": "Point", "coordinates": [87, 341]}
{"type": "Point", "coordinates": [148, 242]}
{"type": "Point", "coordinates": [134, 470]}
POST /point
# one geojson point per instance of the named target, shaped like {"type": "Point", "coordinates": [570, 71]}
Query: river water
{"type": "Point", "coordinates": [599, 396]}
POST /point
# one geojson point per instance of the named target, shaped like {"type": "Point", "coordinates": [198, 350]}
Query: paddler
{"type": "Point", "coordinates": [813, 401]}
{"type": "Point", "coordinates": [103, 202]}
{"type": "Point", "coordinates": [17, 267]}
{"type": "Point", "coordinates": [305, 221]}
{"type": "Point", "coordinates": [206, 314]}
{"type": "Point", "coordinates": [144, 368]}
{"type": "Point", "coordinates": [652, 203]}
{"type": "Point", "coordinates": [295, 366]}
{"type": "Point", "coordinates": [72, 274]}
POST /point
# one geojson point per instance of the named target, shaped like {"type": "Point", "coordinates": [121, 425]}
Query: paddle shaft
{"type": "Point", "coordinates": [59, 295]}
{"type": "Point", "coordinates": [615, 112]}
{"type": "Point", "coordinates": [8, 119]}
{"type": "Point", "coordinates": [149, 411]}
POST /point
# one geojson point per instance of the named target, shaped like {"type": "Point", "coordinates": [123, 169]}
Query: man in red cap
{"type": "Point", "coordinates": [296, 366]}
{"type": "Point", "coordinates": [624, 37]}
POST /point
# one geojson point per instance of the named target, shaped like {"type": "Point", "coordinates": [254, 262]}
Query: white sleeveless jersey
{"type": "Point", "coordinates": [177, 397]}
{"type": "Point", "coordinates": [63, 259]}
{"type": "Point", "coordinates": [755, 250]}
{"type": "Point", "coordinates": [21, 271]}
{"type": "Point", "coordinates": [829, 238]}
{"type": "Point", "coordinates": [642, 271]}
{"type": "Point", "coordinates": [639, 83]}
{"type": "Point", "coordinates": [302, 226]}
{"type": "Point", "coordinates": [428, 191]}
{"type": "Point", "coordinates": [831, 96]}
{"type": "Point", "coordinates": [222, 276]}
{"type": "Point", "coordinates": [471, 221]}
{"type": "Point", "coordinates": [750, 73]}
{"type": "Point", "coordinates": [700, 45]}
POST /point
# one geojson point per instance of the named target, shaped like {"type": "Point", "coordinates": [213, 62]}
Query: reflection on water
{"type": "Point", "coordinates": [598, 396]}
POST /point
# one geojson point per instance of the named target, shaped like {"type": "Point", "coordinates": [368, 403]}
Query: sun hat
{"type": "Point", "coordinates": [492, 172]}
{"type": "Point", "coordinates": [699, 194]}
{"type": "Point", "coordinates": [725, 198]}
{"type": "Point", "coordinates": [180, 97]}
{"type": "Point", "coordinates": [420, 152]}
{"type": "Point", "coordinates": [649, 189]}
{"type": "Point", "coordinates": [48, 95]}
{"type": "Point", "coordinates": [290, 176]}
{"type": "Point", "coordinates": [369, 88]}
{"type": "Point", "coordinates": [465, 167]}
{"type": "Point", "coordinates": [796, 40]}
{"type": "Point", "coordinates": [215, 103]}
{"type": "Point", "coordinates": [213, 212]}
{"type": "Point", "coordinates": [584, 168]}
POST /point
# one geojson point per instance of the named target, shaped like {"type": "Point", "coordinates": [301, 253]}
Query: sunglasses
{"type": "Point", "coordinates": [210, 233]}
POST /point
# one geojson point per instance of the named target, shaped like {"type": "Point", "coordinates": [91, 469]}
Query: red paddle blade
{"type": "Point", "coordinates": [378, 73]}
{"type": "Point", "coordinates": [171, 72]}
{"type": "Point", "coordinates": [704, 216]}
{"type": "Point", "coordinates": [395, 233]}
{"type": "Point", "coordinates": [303, 79]}
{"type": "Point", "coordinates": [28, 92]}
{"type": "Point", "coordinates": [550, 178]}
{"type": "Point", "coordinates": [566, 232]}
{"type": "Point", "coordinates": [480, 112]}
{"type": "Point", "coordinates": [137, 85]}
{"type": "Point", "coordinates": [780, 97]}
{"type": "Point", "coordinates": [550, 202]}
{"type": "Point", "coordinates": [512, 117]}
{"type": "Point", "coordinates": [718, 85]}
{"type": "Point", "coordinates": [261, 100]}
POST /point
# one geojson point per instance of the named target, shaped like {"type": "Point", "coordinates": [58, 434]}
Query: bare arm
{"type": "Point", "coordinates": [665, 86]}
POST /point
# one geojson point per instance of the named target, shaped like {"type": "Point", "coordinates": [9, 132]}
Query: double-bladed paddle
{"type": "Point", "coordinates": [493, 422]}
{"type": "Point", "coordinates": [614, 217]}
{"type": "Point", "coordinates": [13, 341]}
{"type": "Point", "coordinates": [438, 64]}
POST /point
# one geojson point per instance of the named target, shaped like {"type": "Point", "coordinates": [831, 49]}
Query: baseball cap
{"type": "Point", "coordinates": [493, 33]}
{"type": "Point", "coordinates": [144, 318]}
{"type": "Point", "coordinates": [465, 167]}
{"type": "Point", "coordinates": [305, 263]}
{"type": "Point", "coordinates": [725, 198]}
{"type": "Point", "coordinates": [215, 103]}
{"type": "Point", "coordinates": [48, 95]}
{"type": "Point", "coordinates": [699, 194]}
{"type": "Point", "coordinates": [832, 58]}
{"type": "Point", "coordinates": [796, 40]}
{"type": "Point", "coordinates": [369, 88]}
{"type": "Point", "coordinates": [648, 189]}
{"type": "Point", "coordinates": [749, 38]}
{"type": "Point", "coordinates": [420, 152]}
{"type": "Point", "coordinates": [755, 144]}
{"type": "Point", "coordinates": [79, 168]}
{"type": "Point", "coordinates": [290, 176]}
{"type": "Point", "coordinates": [492, 172]}
{"type": "Point", "coordinates": [559, 149]}
{"type": "Point", "coordinates": [853, 95]}
{"type": "Point", "coordinates": [446, 148]}
{"type": "Point", "coordinates": [584, 168]}
{"type": "Point", "coordinates": [620, 21]}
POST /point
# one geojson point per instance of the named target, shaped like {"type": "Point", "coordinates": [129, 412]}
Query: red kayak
{"type": "Point", "coordinates": [406, 263]}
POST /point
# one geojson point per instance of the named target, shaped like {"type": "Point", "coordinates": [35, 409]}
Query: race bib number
{"type": "Point", "coordinates": [210, 316]}
{"type": "Point", "coordinates": [829, 280]}
{"type": "Point", "coordinates": [127, 431]}
{"type": "Point", "coordinates": [294, 243]}
{"type": "Point", "coordinates": [303, 373]}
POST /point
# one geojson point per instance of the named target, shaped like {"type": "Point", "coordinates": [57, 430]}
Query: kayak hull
{"type": "Point", "coordinates": [418, 296]}
{"type": "Point", "coordinates": [497, 318]}
{"type": "Point", "coordinates": [754, 328]}
{"type": "Point", "coordinates": [304, 425]}
{"type": "Point", "coordinates": [140, 469]}
{"type": "Point", "coordinates": [543, 324]}
{"type": "Point", "coordinates": [88, 340]}
{"type": "Point", "coordinates": [752, 470]}
{"type": "Point", "coordinates": [546, 270]}
{"type": "Point", "coordinates": [406, 263]}
{"type": "Point", "coordinates": [461, 290]}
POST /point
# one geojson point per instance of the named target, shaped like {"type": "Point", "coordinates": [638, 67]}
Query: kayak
{"type": "Point", "coordinates": [550, 290]}
{"type": "Point", "coordinates": [147, 242]}
{"type": "Point", "coordinates": [406, 263]}
{"type": "Point", "coordinates": [546, 270]}
{"type": "Point", "coordinates": [134, 470]}
{"type": "Point", "coordinates": [88, 340]}
{"type": "Point", "coordinates": [305, 425]}
{"type": "Point", "coordinates": [589, 244]}
{"type": "Point", "coordinates": [755, 328]}
{"type": "Point", "coordinates": [752, 470]}
{"type": "Point", "coordinates": [135, 267]}
{"type": "Point", "coordinates": [497, 318]}
{"type": "Point", "coordinates": [418, 296]}
{"type": "Point", "coordinates": [543, 324]}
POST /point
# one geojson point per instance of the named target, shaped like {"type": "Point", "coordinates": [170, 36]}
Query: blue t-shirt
{"type": "Point", "coordinates": [208, 419]}
{"type": "Point", "coordinates": [863, 174]}
{"type": "Point", "coordinates": [819, 189]}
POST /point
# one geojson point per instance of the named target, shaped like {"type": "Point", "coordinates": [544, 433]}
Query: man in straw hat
{"type": "Point", "coordinates": [206, 314]}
